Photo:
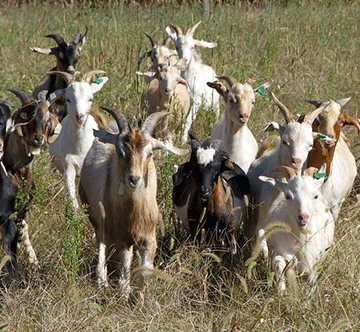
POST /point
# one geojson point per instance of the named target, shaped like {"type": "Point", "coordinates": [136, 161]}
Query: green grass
{"type": "Point", "coordinates": [309, 48]}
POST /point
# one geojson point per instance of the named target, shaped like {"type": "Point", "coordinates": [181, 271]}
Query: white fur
{"type": "Point", "coordinates": [205, 156]}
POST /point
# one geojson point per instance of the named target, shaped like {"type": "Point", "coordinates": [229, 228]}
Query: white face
{"type": "Point", "coordinates": [296, 142]}
{"type": "Point", "coordinates": [185, 47]}
{"type": "Point", "coordinates": [301, 195]}
{"type": "Point", "coordinates": [79, 99]}
{"type": "Point", "coordinates": [240, 102]}
{"type": "Point", "coordinates": [168, 80]}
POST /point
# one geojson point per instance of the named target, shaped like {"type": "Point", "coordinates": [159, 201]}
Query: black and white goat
{"type": "Point", "coordinates": [209, 193]}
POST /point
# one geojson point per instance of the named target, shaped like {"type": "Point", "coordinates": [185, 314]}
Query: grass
{"type": "Point", "coordinates": [310, 49]}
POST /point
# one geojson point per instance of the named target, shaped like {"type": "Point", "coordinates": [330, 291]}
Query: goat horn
{"type": "Point", "coordinates": [311, 171]}
{"type": "Point", "coordinates": [343, 102]}
{"type": "Point", "coordinates": [154, 42]}
{"type": "Point", "coordinates": [69, 78]}
{"type": "Point", "coordinates": [177, 29]}
{"type": "Point", "coordinates": [166, 42]}
{"type": "Point", "coordinates": [310, 117]}
{"type": "Point", "coordinates": [191, 30]}
{"type": "Point", "coordinates": [151, 122]}
{"type": "Point", "coordinates": [59, 40]}
{"type": "Point", "coordinates": [23, 96]}
{"type": "Point", "coordinates": [229, 79]}
{"type": "Point", "coordinates": [316, 103]}
{"type": "Point", "coordinates": [288, 115]}
{"type": "Point", "coordinates": [88, 76]}
{"type": "Point", "coordinates": [287, 171]}
{"type": "Point", "coordinates": [120, 119]}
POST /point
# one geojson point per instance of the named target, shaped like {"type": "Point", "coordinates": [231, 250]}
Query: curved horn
{"type": "Point", "coordinates": [316, 103]}
{"type": "Point", "coordinates": [154, 42]}
{"type": "Point", "coordinates": [69, 78]}
{"type": "Point", "coordinates": [288, 115]}
{"type": "Point", "coordinates": [151, 121]}
{"type": "Point", "coordinates": [311, 171]}
{"type": "Point", "coordinates": [287, 171]}
{"type": "Point", "coordinates": [229, 79]}
{"type": "Point", "coordinates": [88, 76]}
{"type": "Point", "coordinates": [177, 29]}
{"type": "Point", "coordinates": [23, 96]}
{"type": "Point", "coordinates": [59, 40]}
{"type": "Point", "coordinates": [310, 117]}
{"type": "Point", "coordinates": [191, 30]}
{"type": "Point", "coordinates": [166, 42]}
{"type": "Point", "coordinates": [120, 119]}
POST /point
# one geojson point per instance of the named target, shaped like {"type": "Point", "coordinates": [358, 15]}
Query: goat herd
{"type": "Point", "coordinates": [227, 184]}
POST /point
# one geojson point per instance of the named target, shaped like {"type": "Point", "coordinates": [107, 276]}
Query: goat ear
{"type": "Point", "coordinates": [45, 51]}
{"type": "Point", "coordinates": [106, 137]}
{"type": "Point", "coordinates": [280, 185]}
{"type": "Point", "coordinates": [351, 121]}
{"type": "Point", "coordinates": [201, 43]}
{"type": "Point", "coordinates": [261, 89]}
{"type": "Point", "coordinates": [272, 126]}
{"type": "Point", "coordinates": [219, 87]}
{"type": "Point", "coordinates": [97, 85]}
{"type": "Point", "coordinates": [156, 144]}
{"type": "Point", "coordinates": [321, 137]}
{"type": "Point", "coordinates": [54, 130]}
{"type": "Point", "coordinates": [181, 64]}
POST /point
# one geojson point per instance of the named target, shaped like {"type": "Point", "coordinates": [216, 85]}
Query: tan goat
{"type": "Point", "coordinates": [118, 183]}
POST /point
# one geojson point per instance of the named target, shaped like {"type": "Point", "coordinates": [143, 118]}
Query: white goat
{"type": "Point", "coordinates": [196, 74]}
{"type": "Point", "coordinates": [310, 225]}
{"type": "Point", "coordinates": [340, 162]}
{"type": "Point", "coordinates": [76, 136]}
{"type": "Point", "coordinates": [238, 141]}
{"type": "Point", "coordinates": [118, 183]}
{"type": "Point", "coordinates": [297, 140]}
{"type": "Point", "coordinates": [167, 92]}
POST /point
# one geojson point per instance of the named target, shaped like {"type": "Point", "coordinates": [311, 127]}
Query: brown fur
{"type": "Point", "coordinates": [98, 117]}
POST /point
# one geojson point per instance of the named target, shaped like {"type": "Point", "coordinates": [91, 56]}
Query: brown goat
{"type": "Point", "coordinates": [118, 183]}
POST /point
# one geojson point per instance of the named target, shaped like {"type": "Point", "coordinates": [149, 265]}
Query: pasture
{"type": "Point", "coordinates": [310, 49]}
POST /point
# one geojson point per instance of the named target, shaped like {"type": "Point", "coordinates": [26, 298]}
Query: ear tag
{"type": "Point", "coordinates": [321, 137]}
{"type": "Point", "coordinates": [261, 90]}
{"type": "Point", "coordinates": [318, 176]}
{"type": "Point", "coordinates": [98, 80]}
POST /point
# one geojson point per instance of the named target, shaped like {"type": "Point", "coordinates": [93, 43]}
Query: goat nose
{"type": "Point", "coordinates": [38, 139]}
{"type": "Point", "coordinates": [244, 117]}
{"type": "Point", "coordinates": [296, 162]}
{"type": "Point", "coordinates": [304, 218]}
{"type": "Point", "coordinates": [80, 118]}
{"type": "Point", "coordinates": [205, 192]}
{"type": "Point", "coordinates": [168, 91]}
{"type": "Point", "coordinates": [134, 181]}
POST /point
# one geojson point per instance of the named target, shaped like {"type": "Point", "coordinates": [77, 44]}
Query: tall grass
{"type": "Point", "coordinates": [310, 49]}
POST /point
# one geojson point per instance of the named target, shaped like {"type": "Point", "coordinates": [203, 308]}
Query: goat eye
{"type": "Point", "coordinates": [150, 155]}
{"type": "Point", "coordinates": [285, 143]}
{"type": "Point", "coordinates": [316, 197]}
{"type": "Point", "coordinates": [288, 197]}
{"type": "Point", "coordinates": [68, 100]}
{"type": "Point", "coordinates": [90, 100]}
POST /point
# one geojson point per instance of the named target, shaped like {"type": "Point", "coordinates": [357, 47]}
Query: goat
{"type": "Point", "coordinates": [8, 229]}
{"type": "Point", "coordinates": [306, 224]}
{"type": "Point", "coordinates": [196, 74]}
{"type": "Point", "coordinates": [297, 140]}
{"type": "Point", "coordinates": [34, 127]}
{"type": "Point", "coordinates": [167, 92]}
{"type": "Point", "coordinates": [159, 54]}
{"type": "Point", "coordinates": [209, 193]}
{"type": "Point", "coordinates": [337, 156]}
{"type": "Point", "coordinates": [67, 57]}
{"type": "Point", "coordinates": [238, 141]}
{"type": "Point", "coordinates": [118, 183]}
{"type": "Point", "coordinates": [76, 137]}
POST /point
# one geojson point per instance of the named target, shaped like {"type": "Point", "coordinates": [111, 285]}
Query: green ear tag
{"type": "Point", "coordinates": [261, 90]}
{"type": "Point", "coordinates": [321, 137]}
{"type": "Point", "coordinates": [98, 80]}
{"type": "Point", "coordinates": [320, 175]}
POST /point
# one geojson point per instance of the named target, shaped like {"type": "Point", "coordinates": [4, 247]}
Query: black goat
{"type": "Point", "coordinates": [209, 193]}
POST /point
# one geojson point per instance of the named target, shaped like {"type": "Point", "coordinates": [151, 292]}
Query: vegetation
{"type": "Point", "coordinates": [310, 49]}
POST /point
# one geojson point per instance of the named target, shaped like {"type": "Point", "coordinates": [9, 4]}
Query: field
{"type": "Point", "coordinates": [309, 48]}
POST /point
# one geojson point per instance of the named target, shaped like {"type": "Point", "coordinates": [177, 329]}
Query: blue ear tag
{"type": "Point", "coordinates": [321, 137]}
{"type": "Point", "coordinates": [318, 176]}
{"type": "Point", "coordinates": [98, 80]}
{"type": "Point", "coordinates": [261, 90]}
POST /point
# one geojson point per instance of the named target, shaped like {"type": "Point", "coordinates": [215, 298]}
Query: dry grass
{"type": "Point", "coordinates": [310, 49]}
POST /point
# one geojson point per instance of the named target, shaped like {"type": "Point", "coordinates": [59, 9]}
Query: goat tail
{"type": "Point", "coordinates": [99, 118]}
{"type": "Point", "coordinates": [266, 144]}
